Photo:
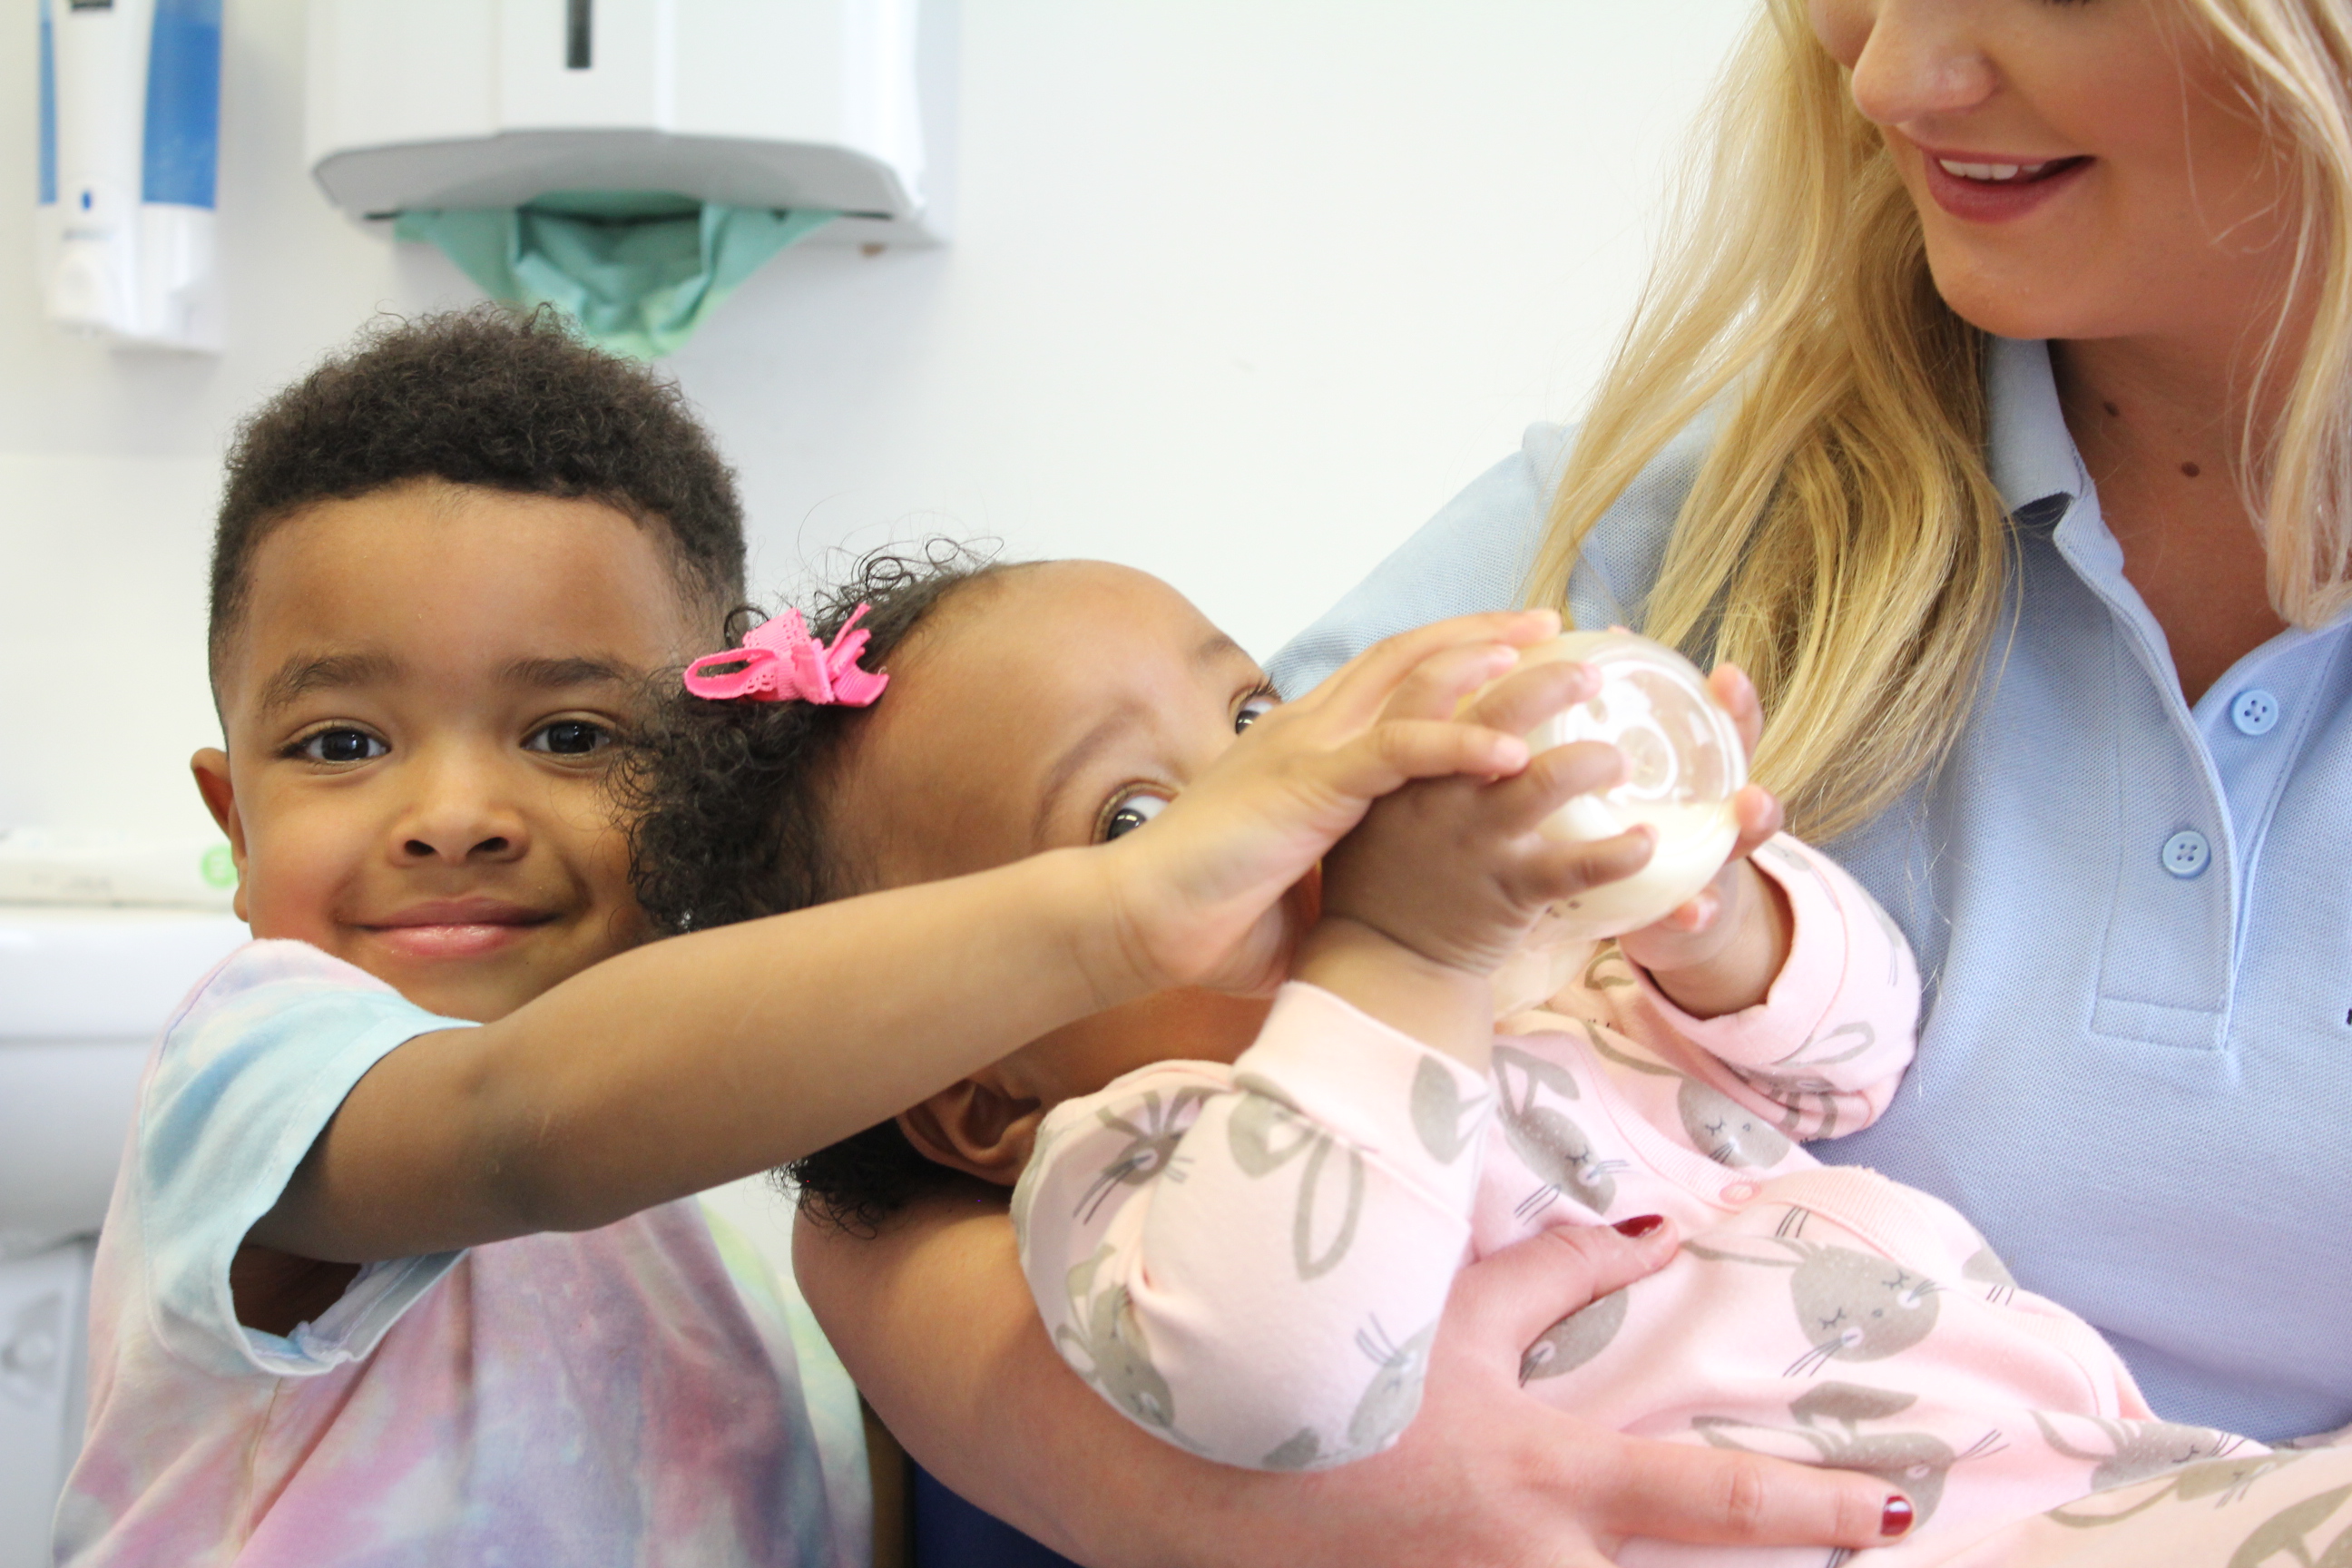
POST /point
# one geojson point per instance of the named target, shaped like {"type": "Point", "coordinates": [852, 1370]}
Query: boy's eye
{"type": "Point", "coordinates": [570, 738]}
{"type": "Point", "coordinates": [1254, 710]}
{"type": "Point", "coordinates": [1131, 812]}
{"type": "Point", "coordinates": [342, 746]}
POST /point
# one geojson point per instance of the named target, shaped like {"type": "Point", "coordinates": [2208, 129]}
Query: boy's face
{"type": "Point", "coordinates": [419, 704]}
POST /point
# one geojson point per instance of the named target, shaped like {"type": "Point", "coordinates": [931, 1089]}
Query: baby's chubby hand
{"type": "Point", "coordinates": [1212, 893]}
{"type": "Point", "coordinates": [1721, 950]}
{"type": "Point", "coordinates": [1455, 870]}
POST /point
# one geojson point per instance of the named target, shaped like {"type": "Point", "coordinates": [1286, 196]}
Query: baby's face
{"type": "Point", "coordinates": [419, 704]}
{"type": "Point", "coordinates": [1054, 705]}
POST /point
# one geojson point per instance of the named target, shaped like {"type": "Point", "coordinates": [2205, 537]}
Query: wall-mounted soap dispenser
{"type": "Point", "coordinates": [129, 150]}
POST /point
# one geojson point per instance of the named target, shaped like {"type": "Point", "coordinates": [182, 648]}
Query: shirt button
{"type": "Point", "coordinates": [2255, 712]}
{"type": "Point", "coordinates": [1738, 1192]}
{"type": "Point", "coordinates": [2186, 852]}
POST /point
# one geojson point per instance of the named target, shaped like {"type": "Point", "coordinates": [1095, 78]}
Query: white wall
{"type": "Point", "coordinates": [1243, 291]}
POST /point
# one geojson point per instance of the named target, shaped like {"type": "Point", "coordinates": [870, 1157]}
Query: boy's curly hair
{"type": "Point", "coordinates": [727, 802]}
{"type": "Point", "coordinates": [483, 397]}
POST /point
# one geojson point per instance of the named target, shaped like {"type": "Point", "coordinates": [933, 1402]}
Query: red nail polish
{"type": "Point", "coordinates": [1640, 1225]}
{"type": "Point", "coordinates": [1897, 1518]}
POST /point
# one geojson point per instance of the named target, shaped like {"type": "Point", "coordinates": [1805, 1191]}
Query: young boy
{"type": "Point", "coordinates": [399, 1266]}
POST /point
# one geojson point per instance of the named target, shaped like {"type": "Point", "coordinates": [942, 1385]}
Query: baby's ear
{"type": "Point", "coordinates": [981, 1126]}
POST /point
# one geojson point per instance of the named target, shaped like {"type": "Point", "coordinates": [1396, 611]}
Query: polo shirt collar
{"type": "Point", "coordinates": [2028, 446]}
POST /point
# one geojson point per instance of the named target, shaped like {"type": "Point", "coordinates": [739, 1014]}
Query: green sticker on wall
{"type": "Point", "coordinates": [218, 867]}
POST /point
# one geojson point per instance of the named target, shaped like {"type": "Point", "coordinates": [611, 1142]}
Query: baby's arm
{"type": "Point", "coordinates": [1251, 1262]}
{"type": "Point", "coordinates": [1824, 1050]}
{"type": "Point", "coordinates": [1781, 983]}
{"type": "Point", "coordinates": [1722, 950]}
{"type": "Point", "coordinates": [694, 1061]}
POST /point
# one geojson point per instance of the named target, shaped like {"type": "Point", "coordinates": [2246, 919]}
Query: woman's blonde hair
{"type": "Point", "coordinates": [1843, 541]}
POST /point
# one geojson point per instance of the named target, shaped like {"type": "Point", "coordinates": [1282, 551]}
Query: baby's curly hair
{"type": "Point", "coordinates": [727, 802]}
{"type": "Point", "coordinates": [490, 397]}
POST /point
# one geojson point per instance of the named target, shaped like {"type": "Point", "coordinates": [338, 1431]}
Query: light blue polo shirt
{"type": "Point", "coordinates": [2135, 916]}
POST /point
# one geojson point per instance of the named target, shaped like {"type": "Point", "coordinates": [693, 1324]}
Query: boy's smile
{"type": "Point", "coordinates": [419, 701]}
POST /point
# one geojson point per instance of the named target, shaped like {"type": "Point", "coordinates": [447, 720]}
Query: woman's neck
{"type": "Point", "coordinates": [2161, 426]}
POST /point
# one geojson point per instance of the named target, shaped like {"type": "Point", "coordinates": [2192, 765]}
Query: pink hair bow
{"type": "Point", "coordinates": [780, 662]}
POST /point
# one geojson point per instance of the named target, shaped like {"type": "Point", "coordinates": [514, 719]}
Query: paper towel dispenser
{"type": "Point", "coordinates": [840, 105]}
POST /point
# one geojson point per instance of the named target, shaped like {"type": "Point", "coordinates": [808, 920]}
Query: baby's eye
{"type": "Point", "coordinates": [1131, 812]}
{"type": "Point", "coordinates": [569, 738]}
{"type": "Point", "coordinates": [1254, 710]}
{"type": "Point", "coordinates": [341, 746]}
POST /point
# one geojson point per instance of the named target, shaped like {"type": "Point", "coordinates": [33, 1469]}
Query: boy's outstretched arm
{"type": "Point", "coordinates": [695, 1061]}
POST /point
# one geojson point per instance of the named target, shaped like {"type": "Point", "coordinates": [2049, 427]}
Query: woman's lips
{"type": "Point", "coordinates": [1989, 188]}
{"type": "Point", "coordinates": [459, 928]}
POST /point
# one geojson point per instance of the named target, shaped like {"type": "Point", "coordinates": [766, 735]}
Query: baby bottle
{"type": "Point", "coordinates": [1684, 762]}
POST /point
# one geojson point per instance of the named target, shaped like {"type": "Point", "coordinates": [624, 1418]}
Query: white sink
{"type": "Point", "coordinates": [42, 1301]}
{"type": "Point", "coordinates": [83, 992]}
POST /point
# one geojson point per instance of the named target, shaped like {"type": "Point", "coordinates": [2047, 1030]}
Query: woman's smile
{"type": "Point", "coordinates": [1978, 187]}
{"type": "Point", "coordinates": [2156, 201]}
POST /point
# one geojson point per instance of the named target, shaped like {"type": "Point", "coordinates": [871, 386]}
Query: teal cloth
{"type": "Point", "coordinates": [638, 272]}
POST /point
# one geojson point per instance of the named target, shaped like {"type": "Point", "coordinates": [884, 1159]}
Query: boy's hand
{"type": "Point", "coordinates": [1200, 898]}
{"type": "Point", "coordinates": [1721, 951]}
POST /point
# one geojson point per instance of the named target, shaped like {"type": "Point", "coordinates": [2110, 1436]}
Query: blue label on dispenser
{"type": "Point", "coordinates": [48, 70]}
{"type": "Point", "coordinates": [183, 144]}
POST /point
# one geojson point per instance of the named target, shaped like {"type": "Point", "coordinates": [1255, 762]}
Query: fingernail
{"type": "Point", "coordinates": [1895, 1520]}
{"type": "Point", "coordinates": [1642, 1224]}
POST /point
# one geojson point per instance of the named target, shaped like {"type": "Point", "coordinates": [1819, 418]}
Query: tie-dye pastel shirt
{"type": "Point", "coordinates": [621, 1395]}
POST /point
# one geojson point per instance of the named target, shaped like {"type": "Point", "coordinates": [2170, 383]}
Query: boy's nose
{"type": "Point", "coordinates": [454, 848]}
{"type": "Point", "coordinates": [462, 820]}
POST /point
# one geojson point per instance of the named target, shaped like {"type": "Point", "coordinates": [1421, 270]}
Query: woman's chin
{"type": "Point", "coordinates": [2015, 302]}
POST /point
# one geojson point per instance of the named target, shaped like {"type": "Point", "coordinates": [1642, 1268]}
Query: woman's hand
{"type": "Point", "coordinates": [1199, 899]}
{"type": "Point", "coordinates": [1485, 1472]}
{"type": "Point", "coordinates": [1721, 951]}
{"type": "Point", "coordinates": [935, 1323]}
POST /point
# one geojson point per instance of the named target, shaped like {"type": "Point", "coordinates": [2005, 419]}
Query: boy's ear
{"type": "Point", "coordinates": [981, 1126]}
{"type": "Point", "coordinates": [210, 767]}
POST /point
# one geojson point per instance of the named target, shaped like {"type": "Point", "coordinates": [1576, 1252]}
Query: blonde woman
{"type": "Point", "coordinates": [1994, 409]}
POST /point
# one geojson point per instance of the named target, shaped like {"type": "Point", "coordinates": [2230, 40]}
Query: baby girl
{"type": "Point", "coordinates": [1240, 1217]}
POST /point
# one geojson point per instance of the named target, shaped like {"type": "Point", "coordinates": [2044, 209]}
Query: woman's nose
{"type": "Point", "coordinates": [1912, 59]}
